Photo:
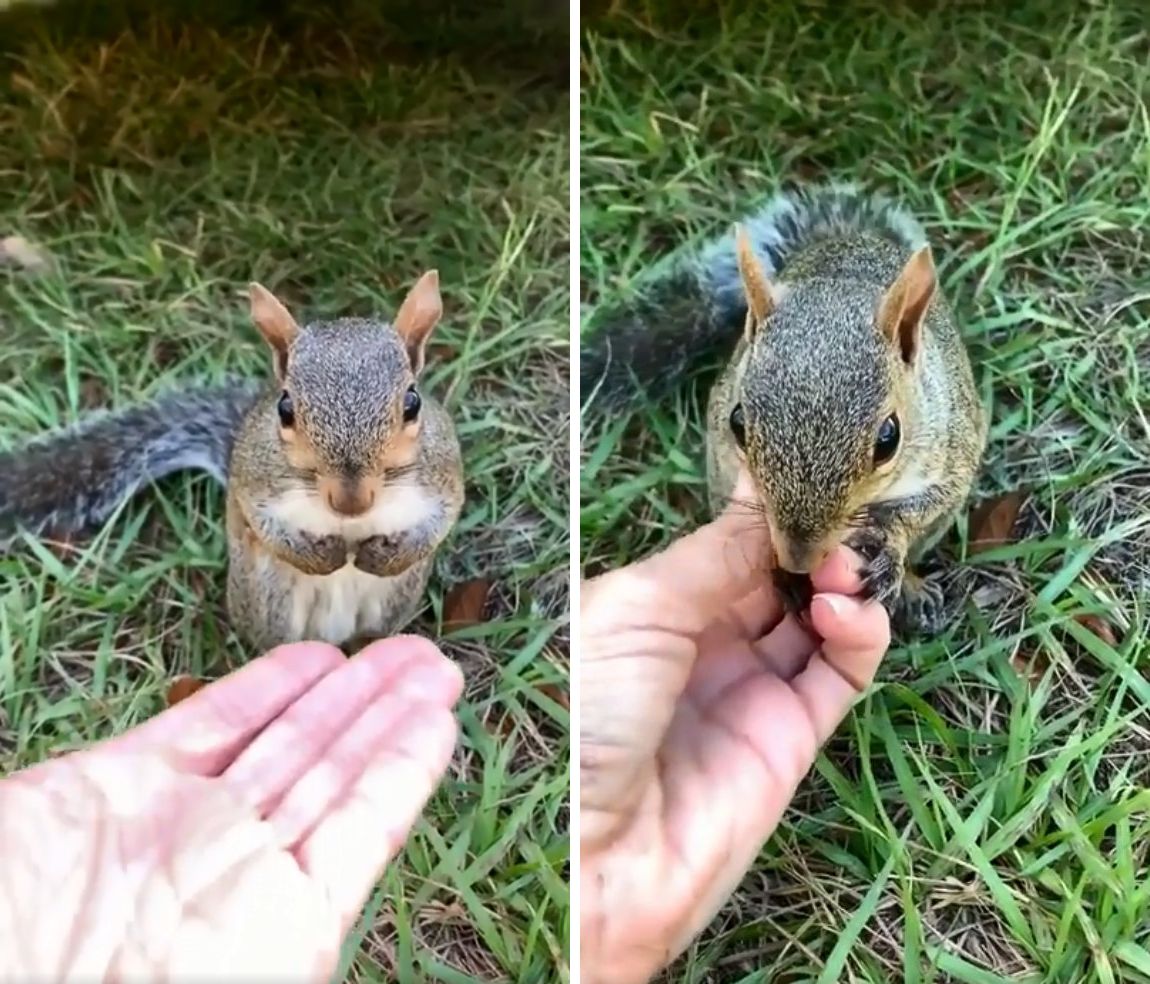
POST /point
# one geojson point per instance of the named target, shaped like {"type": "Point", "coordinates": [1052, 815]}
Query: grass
{"type": "Point", "coordinates": [332, 154]}
{"type": "Point", "coordinates": [983, 816]}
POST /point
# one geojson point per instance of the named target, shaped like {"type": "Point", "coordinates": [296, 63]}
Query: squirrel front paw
{"type": "Point", "coordinates": [316, 555]}
{"type": "Point", "coordinates": [384, 556]}
{"type": "Point", "coordinates": [916, 605]}
{"type": "Point", "coordinates": [795, 590]}
{"type": "Point", "coordinates": [883, 575]}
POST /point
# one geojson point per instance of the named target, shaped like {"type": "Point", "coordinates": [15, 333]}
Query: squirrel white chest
{"type": "Point", "coordinates": [349, 602]}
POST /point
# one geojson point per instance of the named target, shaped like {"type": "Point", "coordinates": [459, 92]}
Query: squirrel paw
{"type": "Point", "coordinates": [794, 589]}
{"type": "Point", "coordinates": [921, 606]}
{"type": "Point", "coordinates": [883, 576]}
{"type": "Point", "coordinates": [383, 556]}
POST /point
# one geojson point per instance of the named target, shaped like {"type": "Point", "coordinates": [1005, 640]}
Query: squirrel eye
{"type": "Point", "coordinates": [286, 410]}
{"type": "Point", "coordinates": [886, 444]}
{"type": "Point", "coordinates": [411, 405]}
{"type": "Point", "coordinates": [738, 425]}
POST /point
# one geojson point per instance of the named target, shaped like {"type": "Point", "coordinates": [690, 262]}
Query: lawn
{"type": "Point", "coordinates": [983, 815]}
{"type": "Point", "coordinates": [332, 153]}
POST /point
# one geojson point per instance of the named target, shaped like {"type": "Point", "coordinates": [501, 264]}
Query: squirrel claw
{"type": "Point", "coordinates": [882, 580]}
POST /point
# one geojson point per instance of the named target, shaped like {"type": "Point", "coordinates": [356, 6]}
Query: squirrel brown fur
{"type": "Point", "coordinates": [847, 391]}
{"type": "Point", "coordinates": [343, 477]}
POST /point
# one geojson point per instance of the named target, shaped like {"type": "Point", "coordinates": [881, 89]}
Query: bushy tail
{"type": "Point", "coordinates": [74, 479]}
{"type": "Point", "coordinates": [691, 303]}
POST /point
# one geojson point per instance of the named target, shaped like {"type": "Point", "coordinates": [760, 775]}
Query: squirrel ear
{"type": "Point", "coordinates": [761, 294]}
{"type": "Point", "coordinates": [418, 315]}
{"type": "Point", "coordinates": [904, 305]}
{"type": "Point", "coordinates": [275, 323]}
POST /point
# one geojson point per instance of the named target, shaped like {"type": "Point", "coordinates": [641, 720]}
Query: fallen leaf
{"type": "Point", "coordinates": [684, 501]}
{"type": "Point", "coordinates": [181, 688]}
{"type": "Point", "coordinates": [93, 393]}
{"type": "Point", "coordinates": [60, 547]}
{"type": "Point", "coordinates": [557, 694]}
{"type": "Point", "coordinates": [165, 352]}
{"type": "Point", "coordinates": [17, 251]}
{"type": "Point", "coordinates": [992, 521]}
{"type": "Point", "coordinates": [1030, 666]}
{"type": "Point", "coordinates": [464, 604]}
{"type": "Point", "coordinates": [1099, 626]}
{"type": "Point", "coordinates": [441, 351]}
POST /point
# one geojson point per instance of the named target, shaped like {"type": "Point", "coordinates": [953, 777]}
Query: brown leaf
{"type": "Point", "coordinates": [93, 393]}
{"type": "Point", "coordinates": [17, 251]}
{"type": "Point", "coordinates": [464, 604]}
{"type": "Point", "coordinates": [557, 694]}
{"type": "Point", "coordinates": [1099, 626]}
{"type": "Point", "coordinates": [992, 521]}
{"type": "Point", "coordinates": [1030, 666]}
{"type": "Point", "coordinates": [165, 352]}
{"type": "Point", "coordinates": [181, 688]}
{"type": "Point", "coordinates": [683, 500]}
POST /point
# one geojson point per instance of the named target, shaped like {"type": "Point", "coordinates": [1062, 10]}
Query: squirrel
{"type": "Point", "coordinates": [847, 391]}
{"type": "Point", "coordinates": [342, 475]}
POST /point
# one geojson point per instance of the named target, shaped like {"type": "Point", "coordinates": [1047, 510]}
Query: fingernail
{"type": "Point", "coordinates": [432, 680]}
{"type": "Point", "coordinates": [840, 607]}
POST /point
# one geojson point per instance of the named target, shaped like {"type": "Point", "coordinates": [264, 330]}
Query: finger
{"type": "Point", "coordinates": [407, 666]}
{"type": "Point", "coordinates": [840, 573]}
{"type": "Point", "coordinates": [327, 780]}
{"type": "Point", "coordinates": [205, 732]}
{"type": "Point", "coordinates": [856, 636]}
{"type": "Point", "coordinates": [725, 663]}
{"type": "Point", "coordinates": [368, 820]}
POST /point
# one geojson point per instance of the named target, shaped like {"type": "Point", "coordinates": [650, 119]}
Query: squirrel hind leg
{"type": "Point", "coordinates": [921, 607]}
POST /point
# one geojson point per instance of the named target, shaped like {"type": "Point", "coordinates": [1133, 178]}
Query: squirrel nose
{"type": "Point", "coordinates": [348, 498]}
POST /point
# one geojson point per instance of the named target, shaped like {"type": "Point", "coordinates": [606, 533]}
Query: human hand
{"type": "Point", "coordinates": [235, 836]}
{"type": "Point", "coordinates": [702, 707]}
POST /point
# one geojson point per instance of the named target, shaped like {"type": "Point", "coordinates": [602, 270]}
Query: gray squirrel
{"type": "Point", "coordinates": [343, 475]}
{"type": "Point", "coordinates": [847, 391]}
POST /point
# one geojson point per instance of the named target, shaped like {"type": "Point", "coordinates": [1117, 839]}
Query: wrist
{"type": "Point", "coordinates": [590, 973]}
{"type": "Point", "coordinates": [617, 940]}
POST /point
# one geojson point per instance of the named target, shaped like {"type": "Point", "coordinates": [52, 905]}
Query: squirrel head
{"type": "Point", "coordinates": [827, 415]}
{"type": "Point", "coordinates": [349, 410]}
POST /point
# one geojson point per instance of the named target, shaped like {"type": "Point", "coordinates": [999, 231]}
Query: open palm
{"type": "Point", "coordinates": [702, 711]}
{"type": "Point", "coordinates": [235, 836]}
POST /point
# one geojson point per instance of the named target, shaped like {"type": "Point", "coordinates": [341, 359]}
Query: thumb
{"type": "Point", "coordinates": [638, 627]}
